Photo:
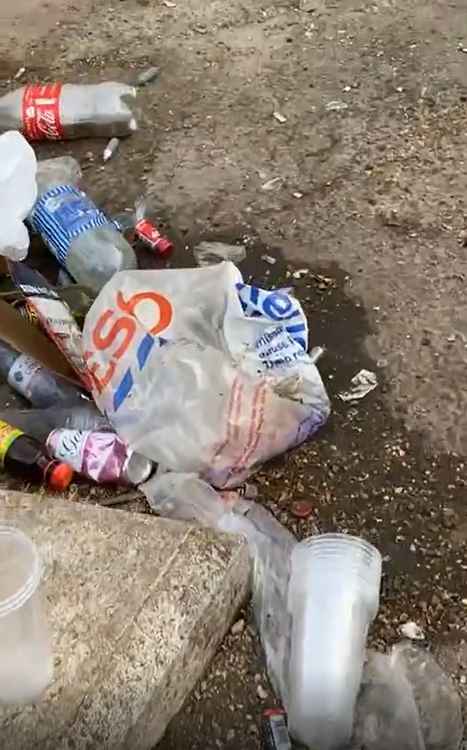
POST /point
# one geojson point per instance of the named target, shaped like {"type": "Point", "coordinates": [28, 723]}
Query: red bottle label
{"type": "Point", "coordinates": [147, 232]}
{"type": "Point", "coordinates": [41, 112]}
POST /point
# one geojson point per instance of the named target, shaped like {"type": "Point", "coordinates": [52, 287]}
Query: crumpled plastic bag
{"type": "Point", "coordinates": [407, 702]}
{"type": "Point", "coordinates": [185, 497]}
{"type": "Point", "coordinates": [18, 193]}
{"type": "Point", "coordinates": [202, 373]}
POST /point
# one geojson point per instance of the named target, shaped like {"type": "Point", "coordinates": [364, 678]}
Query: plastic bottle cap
{"type": "Point", "coordinates": [60, 477]}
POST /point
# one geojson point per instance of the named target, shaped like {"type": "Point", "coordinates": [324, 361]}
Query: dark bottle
{"type": "Point", "coordinates": [38, 384]}
{"type": "Point", "coordinates": [25, 458]}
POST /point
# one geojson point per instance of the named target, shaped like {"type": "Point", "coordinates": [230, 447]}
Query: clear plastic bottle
{"type": "Point", "coordinates": [80, 236]}
{"type": "Point", "coordinates": [56, 111]}
{"type": "Point", "coordinates": [39, 423]}
{"type": "Point", "coordinates": [39, 385]}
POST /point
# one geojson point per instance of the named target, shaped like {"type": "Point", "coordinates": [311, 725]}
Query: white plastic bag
{"type": "Point", "coordinates": [202, 373]}
{"type": "Point", "coordinates": [18, 192]}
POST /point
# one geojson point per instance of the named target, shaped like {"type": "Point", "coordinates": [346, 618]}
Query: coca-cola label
{"type": "Point", "coordinates": [68, 446]}
{"type": "Point", "coordinates": [21, 374]}
{"type": "Point", "coordinates": [41, 112]}
{"type": "Point", "coordinates": [147, 232]}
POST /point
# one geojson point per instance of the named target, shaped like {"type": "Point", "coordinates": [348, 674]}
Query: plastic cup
{"type": "Point", "coordinates": [333, 597]}
{"type": "Point", "coordinates": [26, 665]}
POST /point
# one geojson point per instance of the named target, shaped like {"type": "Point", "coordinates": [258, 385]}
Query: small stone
{"type": "Point", "coordinates": [269, 259]}
{"type": "Point", "coordinates": [261, 692]}
{"type": "Point", "coordinates": [238, 627]}
{"type": "Point", "coordinates": [279, 117]}
{"type": "Point", "coordinates": [297, 194]}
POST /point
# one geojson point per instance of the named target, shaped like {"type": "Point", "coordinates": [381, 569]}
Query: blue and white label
{"type": "Point", "coordinates": [278, 307]}
{"type": "Point", "coordinates": [62, 214]}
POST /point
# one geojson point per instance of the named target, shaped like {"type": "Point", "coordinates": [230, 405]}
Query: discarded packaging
{"type": "Point", "coordinates": [110, 149]}
{"type": "Point", "coordinates": [25, 459]}
{"type": "Point", "coordinates": [36, 383]}
{"type": "Point", "coordinates": [39, 423]}
{"type": "Point", "coordinates": [333, 598]}
{"type": "Point", "coordinates": [81, 236]}
{"type": "Point", "coordinates": [26, 659]}
{"type": "Point", "coordinates": [54, 316]}
{"type": "Point", "coordinates": [187, 497]}
{"type": "Point", "coordinates": [407, 702]}
{"type": "Point", "coordinates": [214, 381]}
{"type": "Point", "coordinates": [143, 229]}
{"type": "Point", "coordinates": [209, 253]}
{"type": "Point", "coordinates": [18, 193]}
{"type": "Point", "coordinates": [57, 111]}
{"type": "Point", "coordinates": [29, 340]}
{"type": "Point", "coordinates": [100, 456]}
{"type": "Point", "coordinates": [362, 384]}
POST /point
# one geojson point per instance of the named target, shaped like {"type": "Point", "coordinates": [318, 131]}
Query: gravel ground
{"type": "Point", "coordinates": [370, 199]}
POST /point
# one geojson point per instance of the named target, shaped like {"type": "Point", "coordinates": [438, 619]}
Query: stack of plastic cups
{"type": "Point", "coordinates": [26, 665]}
{"type": "Point", "coordinates": [333, 598]}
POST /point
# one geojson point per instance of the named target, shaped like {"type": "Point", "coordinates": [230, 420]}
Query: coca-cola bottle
{"type": "Point", "coordinates": [56, 111]}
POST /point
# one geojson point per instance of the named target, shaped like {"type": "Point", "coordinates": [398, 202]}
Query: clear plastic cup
{"type": "Point", "coordinates": [333, 598]}
{"type": "Point", "coordinates": [26, 664]}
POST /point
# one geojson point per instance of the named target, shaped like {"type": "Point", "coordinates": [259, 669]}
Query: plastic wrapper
{"type": "Point", "coordinates": [407, 702]}
{"type": "Point", "coordinates": [186, 497]}
{"type": "Point", "coordinates": [202, 373]}
{"type": "Point", "coordinates": [18, 192]}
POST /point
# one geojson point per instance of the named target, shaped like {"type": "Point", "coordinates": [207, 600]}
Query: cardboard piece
{"type": "Point", "coordinates": [28, 339]}
{"type": "Point", "coordinates": [54, 315]}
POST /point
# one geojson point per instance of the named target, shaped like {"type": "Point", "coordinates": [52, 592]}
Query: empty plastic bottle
{"type": "Point", "coordinates": [38, 384]}
{"type": "Point", "coordinates": [100, 456]}
{"type": "Point", "coordinates": [25, 458]}
{"type": "Point", "coordinates": [79, 234]}
{"type": "Point", "coordinates": [56, 111]}
{"type": "Point", "coordinates": [39, 423]}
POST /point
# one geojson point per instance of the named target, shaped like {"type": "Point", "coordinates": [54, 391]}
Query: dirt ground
{"type": "Point", "coordinates": [370, 195]}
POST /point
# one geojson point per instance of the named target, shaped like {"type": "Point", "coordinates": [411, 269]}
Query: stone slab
{"type": "Point", "coordinates": [137, 607]}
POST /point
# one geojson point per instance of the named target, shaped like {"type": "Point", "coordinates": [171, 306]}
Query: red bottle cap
{"type": "Point", "coordinates": [164, 246]}
{"type": "Point", "coordinates": [59, 477]}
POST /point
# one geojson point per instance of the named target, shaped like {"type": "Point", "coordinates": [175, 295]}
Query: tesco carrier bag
{"type": "Point", "coordinates": [202, 373]}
